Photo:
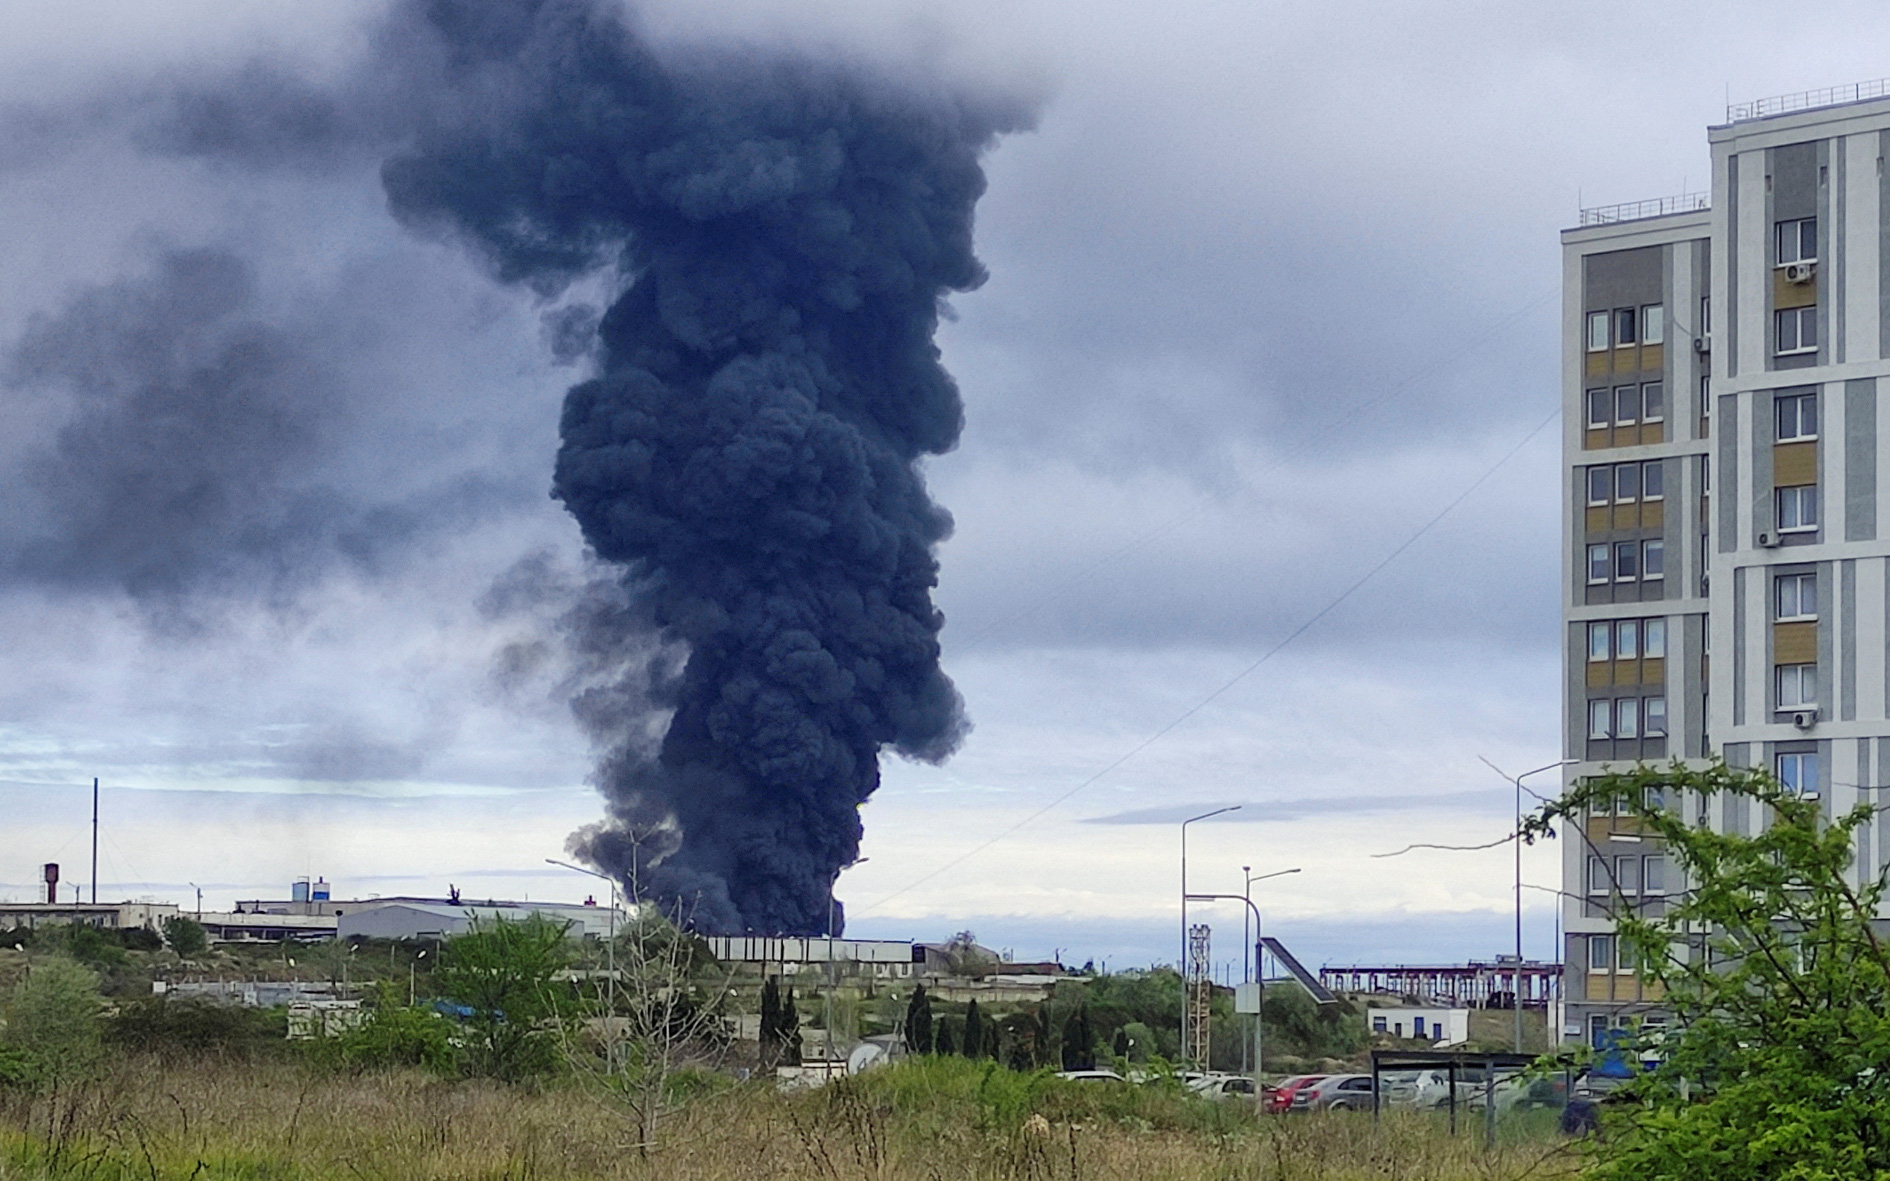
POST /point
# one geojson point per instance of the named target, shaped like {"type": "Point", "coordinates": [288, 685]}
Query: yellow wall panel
{"type": "Point", "coordinates": [1627, 360]}
{"type": "Point", "coordinates": [1653, 671]}
{"type": "Point", "coordinates": [1596, 440]}
{"type": "Point", "coordinates": [1627, 516]}
{"type": "Point", "coordinates": [1653, 514]}
{"type": "Point", "coordinates": [1794, 463]}
{"type": "Point", "coordinates": [1795, 643]}
{"type": "Point", "coordinates": [1651, 356]}
{"type": "Point", "coordinates": [1597, 364]}
{"type": "Point", "coordinates": [1653, 432]}
{"type": "Point", "coordinates": [1627, 672]}
{"type": "Point", "coordinates": [1792, 295]}
{"type": "Point", "coordinates": [1598, 676]}
{"type": "Point", "coordinates": [1597, 518]}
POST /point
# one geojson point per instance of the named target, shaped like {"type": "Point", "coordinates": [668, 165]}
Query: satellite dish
{"type": "Point", "coordinates": [865, 1056]}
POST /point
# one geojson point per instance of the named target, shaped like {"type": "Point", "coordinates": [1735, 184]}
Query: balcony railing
{"type": "Point", "coordinates": [1806, 100]}
{"type": "Point", "coordinates": [1602, 215]}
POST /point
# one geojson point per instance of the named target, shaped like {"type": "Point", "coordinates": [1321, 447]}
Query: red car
{"type": "Point", "coordinates": [1281, 1100]}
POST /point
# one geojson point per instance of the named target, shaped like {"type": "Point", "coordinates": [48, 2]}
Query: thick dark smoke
{"type": "Point", "coordinates": [191, 424]}
{"type": "Point", "coordinates": [767, 386]}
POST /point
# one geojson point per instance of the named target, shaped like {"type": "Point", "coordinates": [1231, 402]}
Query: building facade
{"type": "Point", "coordinates": [1727, 508]}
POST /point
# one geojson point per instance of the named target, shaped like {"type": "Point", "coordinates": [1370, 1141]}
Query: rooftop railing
{"type": "Point", "coordinates": [1601, 215]}
{"type": "Point", "coordinates": [1806, 100]}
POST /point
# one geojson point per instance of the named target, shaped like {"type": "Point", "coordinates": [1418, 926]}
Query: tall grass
{"type": "Point", "coordinates": [947, 1120]}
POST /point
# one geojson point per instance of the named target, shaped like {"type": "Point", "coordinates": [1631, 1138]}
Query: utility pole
{"type": "Point", "coordinates": [94, 838]}
{"type": "Point", "coordinates": [1181, 962]}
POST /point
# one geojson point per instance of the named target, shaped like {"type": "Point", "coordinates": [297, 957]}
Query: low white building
{"type": "Point", "coordinates": [426, 918]}
{"type": "Point", "coordinates": [1441, 1027]}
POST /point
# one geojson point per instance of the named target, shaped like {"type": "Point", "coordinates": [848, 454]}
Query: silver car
{"type": "Point", "coordinates": [1339, 1092]}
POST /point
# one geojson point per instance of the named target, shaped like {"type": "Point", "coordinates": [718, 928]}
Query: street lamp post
{"type": "Point", "coordinates": [1181, 963]}
{"type": "Point", "coordinates": [1516, 977]}
{"type": "Point", "coordinates": [832, 912]}
{"type": "Point", "coordinates": [1253, 912]}
{"type": "Point", "coordinates": [610, 959]}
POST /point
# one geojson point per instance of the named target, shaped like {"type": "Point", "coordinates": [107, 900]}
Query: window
{"type": "Point", "coordinates": [1627, 561]}
{"type": "Point", "coordinates": [1379, 1025]}
{"type": "Point", "coordinates": [1706, 314]}
{"type": "Point", "coordinates": [1797, 596]}
{"type": "Point", "coordinates": [1601, 959]}
{"type": "Point", "coordinates": [1798, 241]}
{"type": "Point", "coordinates": [1624, 334]}
{"type": "Point", "coordinates": [1627, 639]}
{"type": "Point", "coordinates": [1600, 723]}
{"type": "Point", "coordinates": [1653, 402]}
{"type": "Point", "coordinates": [1653, 480]}
{"type": "Point", "coordinates": [1627, 874]}
{"type": "Point", "coordinates": [1654, 874]}
{"type": "Point", "coordinates": [1627, 405]}
{"type": "Point", "coordinates": [1798, 509]}
{"type": "Point", "coordinates": [1627, 482]}
{"type": "Point", "coordinates": [1797, 330]}
{"type": "Point", "coordinates": [1653, 324]}
{"type": "Point", "coordinates": [1654, 717]}
{"type": "Point", "coordinates": [1417, 1027]}
{"type": "Point", "coordinates": [1600, 485]}
{"type": "Point", "coordinates": [1600, 409]}
{"type": "Point", "coordinates": [1654, 639]}
{"type": "Point", "coordinates": [1627, 717]}
{"type": "Point", "coordinates": [1797, 417]}
{"type": "Point", "coordinates": [1597, 563]}
{"type": "Point", "coordinates": [1797, 686]}
{"type": "Point", "coordinates": [1799, 772]}
{"type": "Point", "coordinates": [1653, 560]}
{"type": "Point", "coordinates": [1598, 642]}
{"type": "Point", "coordinates": [1597, 332]}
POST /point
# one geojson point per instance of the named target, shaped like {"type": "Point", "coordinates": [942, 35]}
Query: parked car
{"type": "Point", "coordinates": [1415, 1088]}
{"type": "Point", "coordinates": [1338, 1092]}
{"type": "Point", "coordinates": [1090, 1076]}
{"type": "Point", "coordinates": [1224, 1086]}
{"type": "Point", "coordinates": [1282, 1099]}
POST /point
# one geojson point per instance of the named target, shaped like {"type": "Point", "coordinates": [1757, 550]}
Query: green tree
{"type": "Point", "coordinates": [506, 973]}
{"type": "Point", "coordinates": [52, 1020]}
{"type": "Point", "coordinates": [919, 1022]}
{"type": "Point", "coordinates": [974, 1043]}
{"type": "Point", "coordinates": [186, 936]}
{"type": "Point", "coordinates": [1776, 978]}
{"type": "Point", "coordinates": [1079, 1041]}
{"type": "Point", "coordinates": [942, 1041]}
{"type": "Point", "coordinates": [790, 1031]}
{"type": "Point", "coordinates": [393, 1034]}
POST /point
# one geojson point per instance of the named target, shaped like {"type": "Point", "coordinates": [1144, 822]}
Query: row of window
{"type": "Point", "coordinates": [1798, 509]}
{"type": "Point", "coordinates": [1795, 330]}
{"type": "Point", "coordinates": [1623, 483]}
{"type": "Point", "coordinates": [1632, 874]}
{"type": "Point", "coordinates": [1795, 596]}
{"type": "Point", "coordinates": [1627, 717]}
{"type": "Point", "coordinates": [1627, 639]}
{"type": "Point", "coordinates": [1625, 327]}
{"type": "Point", "coordinates": [1797, 241]}
{"type": "Point", "coordinates": [1797, 686]}
{"type": "Point", "coordinates": [1627, 561]}
{"type": "Point", "coordinates": [1797, 416]}
{"type": "Point", "coordinates": [1626, 405]}
{"type": "Point", "coordinates": [1602, 957]}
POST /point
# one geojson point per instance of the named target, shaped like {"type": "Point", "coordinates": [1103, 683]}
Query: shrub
{"type": "Point", "coordinates": [53, 1018]}
{"type": "Point", "coordinates": [393, 1035]}
{"type": "Point", "coordinates": [165, 1026]}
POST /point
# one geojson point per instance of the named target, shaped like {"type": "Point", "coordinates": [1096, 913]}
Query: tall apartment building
{"type": "Point", "coordinates": [1727, 550]}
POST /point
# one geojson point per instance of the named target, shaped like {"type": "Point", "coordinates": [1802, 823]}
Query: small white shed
{"type": "Point", "coordinates": [1441, 1027]}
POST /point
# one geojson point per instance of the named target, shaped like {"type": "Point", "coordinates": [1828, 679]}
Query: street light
{"type": "Point", "coordinates": [1254, 913]}
{"type": "Point", "coordinates": [1181, 964]}
{"type": "Point", "coordinates": [411, 965]}
{"type": "Point", "coordinates": [610, 1018]}
{"type": "Point", "coordinates": [1516, 977]}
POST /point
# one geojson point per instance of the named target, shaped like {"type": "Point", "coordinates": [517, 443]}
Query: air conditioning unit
{"type": "Point", "coordinates": [1768, 539]}
{"type": "Point", "coordinates": [1805, 719]}
{"type": "Point", "coordinates": [1801, 272]}
{"type": "Point", "coordinates": [1703, 345]}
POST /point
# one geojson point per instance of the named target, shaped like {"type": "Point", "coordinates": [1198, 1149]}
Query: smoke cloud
{"type": "Point", "coordinates": [748, 452]}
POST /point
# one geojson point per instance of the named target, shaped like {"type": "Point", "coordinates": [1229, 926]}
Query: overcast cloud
{"type": "Point", "coordinates": [1270, 288]}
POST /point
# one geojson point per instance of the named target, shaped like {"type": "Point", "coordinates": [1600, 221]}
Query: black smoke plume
{"type": "Point", "coordinates": [766, 387]}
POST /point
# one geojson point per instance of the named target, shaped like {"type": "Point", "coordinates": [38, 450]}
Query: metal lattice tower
{"type": "Point", "coordinates": [1199, 990]}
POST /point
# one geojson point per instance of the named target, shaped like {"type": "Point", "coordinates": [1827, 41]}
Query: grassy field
{"type": "Point", "coordinates": [937, 1121]}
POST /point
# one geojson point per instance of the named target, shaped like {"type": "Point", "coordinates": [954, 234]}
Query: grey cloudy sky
{"type": "Point", "coordinates": [1271, 286]}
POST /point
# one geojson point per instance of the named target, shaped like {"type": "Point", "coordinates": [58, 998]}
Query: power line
{"type": "Point", "coordinates": [1238, 677]}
